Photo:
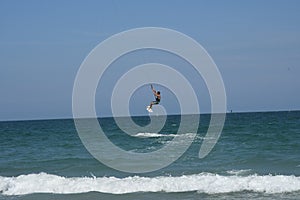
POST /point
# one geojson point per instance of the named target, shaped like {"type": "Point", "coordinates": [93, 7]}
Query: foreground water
{"type": "Point", "coordinates": [257, 156]}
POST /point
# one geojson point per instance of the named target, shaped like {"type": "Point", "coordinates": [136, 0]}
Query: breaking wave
{"type": "Point", "coordinates": [203, 183]}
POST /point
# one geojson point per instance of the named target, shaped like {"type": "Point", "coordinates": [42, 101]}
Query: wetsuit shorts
{"type": "Point", "coordinates": [156, 101]}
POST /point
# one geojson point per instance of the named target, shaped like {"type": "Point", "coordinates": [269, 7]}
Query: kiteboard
{"type": "Point", "coordinates": [149, 109]}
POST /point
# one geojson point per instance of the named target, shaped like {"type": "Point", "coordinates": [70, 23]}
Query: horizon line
{"type": "Point", "coordinates": [173, 114]}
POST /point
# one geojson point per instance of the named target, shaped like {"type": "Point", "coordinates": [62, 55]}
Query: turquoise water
{"type": "Point", "coordinates": [257, 156]}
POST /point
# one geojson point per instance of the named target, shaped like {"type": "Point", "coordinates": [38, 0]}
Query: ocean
{"type": "Point", "coordinates": [257, 156]}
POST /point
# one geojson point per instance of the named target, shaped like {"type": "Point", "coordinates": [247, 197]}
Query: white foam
{"type": "Point", "coordinates": [153, 135]}
{"type": "Point", "coordinates": [239, 172]}
{"type": "Point", "coordinates": [203, 183]}
{"type": "Point", "coordinates": [150, 135]}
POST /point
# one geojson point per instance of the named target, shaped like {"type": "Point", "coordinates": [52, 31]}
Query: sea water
{"type": "Point", "coordinates": [256, 156]}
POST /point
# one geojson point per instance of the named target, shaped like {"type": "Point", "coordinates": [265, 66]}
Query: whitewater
{"type": "Point", "coordinates": [202, 183]}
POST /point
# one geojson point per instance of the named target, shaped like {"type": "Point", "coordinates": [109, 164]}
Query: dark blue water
{"type": "Point", "coordinates": [257, 156]}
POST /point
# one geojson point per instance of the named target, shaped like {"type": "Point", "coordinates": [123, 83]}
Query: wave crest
{"type": "Point", "coordinates": [203, 183]}
{"type": "Point", "coordinates": [156, 135]}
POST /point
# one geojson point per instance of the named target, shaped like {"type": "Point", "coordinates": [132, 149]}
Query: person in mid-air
{"type": "Point", "coordinates": [157, 98]}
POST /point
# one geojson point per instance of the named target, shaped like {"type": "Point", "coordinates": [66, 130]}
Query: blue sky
{"type": "Point", "coordinates": [255, 44]}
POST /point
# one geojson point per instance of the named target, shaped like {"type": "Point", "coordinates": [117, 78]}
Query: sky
{"type": "Point", "coordinates": [255, 44]}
